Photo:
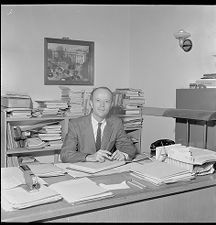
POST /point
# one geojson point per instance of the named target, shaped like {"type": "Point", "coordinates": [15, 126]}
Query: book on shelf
{"type": "Point", "coordinates": [27, 159]}
{"type": "Point", "coordinates": [128, 90]}
{"type": "Point", "coordinates": [15, 101]}
{"type": "Point", "coordinates": [128, 96]}
{"type": "Point", "coordinates": [20, 114]}
{"type": "Point", "coordinates": [12, 161]}
{"type": "Point", "coordinates": [48, 137]}
{"type": "Point", "coordinates": [34, 143]}
{"type": "Point", "coordinates": [131, 112]}
{"type": "Point", "coordinates": [211, 82]}
{"type": "Point", "coordinates": [55, 143]}
{"type": "Point", "coordinates": [36, 126]}
{"type": "Point", "coordinates": [52, 104]}
{"type": "Point", "coordinates": [209, 76]}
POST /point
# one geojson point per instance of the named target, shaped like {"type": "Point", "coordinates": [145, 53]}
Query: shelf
{"type": "Point", "coordinates": [25, 150]}
{"type": "Point", "coordinates": [180, 113]}
{"type": "Point", "coordinates": [10, 119]}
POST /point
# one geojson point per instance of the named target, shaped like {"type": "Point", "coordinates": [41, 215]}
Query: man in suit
{"type": "Point", "coordinates": [80, 141]}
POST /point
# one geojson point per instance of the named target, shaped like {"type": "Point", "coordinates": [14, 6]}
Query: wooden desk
{"type": "Point", "coordinates": [191, 201]}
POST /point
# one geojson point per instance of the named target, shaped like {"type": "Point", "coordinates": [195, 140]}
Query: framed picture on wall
{"type": "Point", "coordinates": [68, 62]}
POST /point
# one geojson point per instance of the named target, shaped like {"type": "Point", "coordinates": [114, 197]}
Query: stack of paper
{"type": "Point", "coordinates": [160, 172]}
{"type": "Point", "coordinates": [198, 160]}
{"type": "Point", "coordinates": [94, 167]}
{"type": "Point", "coordinates": [46, 170]}
{"type": "Point", "coordinates": [19, 198]}
{"type": "Point", "coordinates": [14, 195]}
{"type": "Point", "coordinates": [80, 190]}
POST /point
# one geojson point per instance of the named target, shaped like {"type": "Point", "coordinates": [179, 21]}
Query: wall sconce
{"type": "Point", "coordinates": [184, 42]}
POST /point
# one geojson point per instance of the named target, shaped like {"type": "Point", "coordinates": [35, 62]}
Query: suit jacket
{"type": "Point", "coordinates": [79, 141]}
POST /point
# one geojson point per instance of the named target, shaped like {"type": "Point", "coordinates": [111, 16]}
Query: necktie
{"type": "Point", "coordinates": [98, 137]}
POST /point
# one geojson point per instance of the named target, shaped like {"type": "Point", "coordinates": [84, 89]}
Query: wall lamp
{"type": "Point", "coordinates": [184, 42]}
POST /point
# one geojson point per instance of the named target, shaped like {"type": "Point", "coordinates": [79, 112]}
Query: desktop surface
{"type": "Point", "coordinates": [126, 204]}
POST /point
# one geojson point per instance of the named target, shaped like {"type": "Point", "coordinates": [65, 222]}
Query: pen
{"type": "Point", "coordinates": [135, 184]}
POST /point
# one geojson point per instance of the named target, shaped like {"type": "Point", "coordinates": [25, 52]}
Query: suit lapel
{"type": "Point", "coordinates": [90, 134]}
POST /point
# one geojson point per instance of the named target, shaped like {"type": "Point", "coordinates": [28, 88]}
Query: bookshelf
{"type": "Point", "coordinates": [9, 156]}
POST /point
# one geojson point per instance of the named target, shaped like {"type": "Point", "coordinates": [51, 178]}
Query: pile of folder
{"type": "Point", "coordinates": [46, 170]}
{"type": "Point", "coordinates": [197, 160]}
{"type": "Point", "coordinates": [159, 173]}
{"type": "Point", "coordinates": [80, 190]}
{"type": "Point", "coordinates": [14, 195]}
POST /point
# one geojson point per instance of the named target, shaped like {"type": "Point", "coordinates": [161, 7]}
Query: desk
{"type": "Point", "coordinates": [191, 201]}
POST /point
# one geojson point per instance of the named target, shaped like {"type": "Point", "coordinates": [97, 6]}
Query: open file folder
{"type": "Point", "coordinates": [94, 167]}
{"type": "Point", "coordinates": [46, 170]}
{"type": "Point", "coordinates": [160, 172]}
{"type": "Point", "coordinates": [80, 190]}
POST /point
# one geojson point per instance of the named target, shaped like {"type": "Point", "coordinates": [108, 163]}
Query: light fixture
{"type": "Point", "coordinates": [184, 42]}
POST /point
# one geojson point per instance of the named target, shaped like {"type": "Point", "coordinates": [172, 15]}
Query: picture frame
{"type": "Point", "coordinates": [68, 62]}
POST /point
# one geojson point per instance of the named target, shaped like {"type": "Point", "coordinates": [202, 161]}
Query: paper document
{"type": "Point", "coordinates": [160, 172]}
{"type": "Point", "coordinates": [122, 185]}
{"type": "Point", "coordinates": [11, 177]}
{"type": "Point", "coordinates": [78, 190]}
{"type": "Point", "coordinates": [19, 198]}
{"type": "Point", "coordinates": [70, 171]}
{"type": "Point", "coordinates": [191, 155]}
{"type": "Point", "coordinates": [202, 156]}
{"type": "Point", "coordinates": [94, 167]}
{"type": "Point", "coordinates": [46, 170]}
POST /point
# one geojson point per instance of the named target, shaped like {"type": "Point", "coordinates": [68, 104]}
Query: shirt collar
{"type": "Point", "coordinates": [95, 122]}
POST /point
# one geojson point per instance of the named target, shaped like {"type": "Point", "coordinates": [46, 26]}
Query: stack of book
{"type": "Point", "coordinates": [129, 102]}
{"type": "Point", "coordinates": [52, 107]}
{"type": "Point", "coordinates": [17, 105]}
{"type": "Point", "coordinates": [129, 98]}
{"type": "Point", "coordinates": [207, 80]}
{"type": "Point", "coordinates": [78, 101]}
{"type": "Point", "coordinates": [51, 134]}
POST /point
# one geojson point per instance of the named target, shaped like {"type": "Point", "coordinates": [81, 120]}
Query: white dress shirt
{"type": "Point", "coordinates": [95, 126]}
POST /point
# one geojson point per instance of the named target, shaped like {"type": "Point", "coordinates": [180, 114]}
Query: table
{"type": "Point", "coordinates": [188, 201]}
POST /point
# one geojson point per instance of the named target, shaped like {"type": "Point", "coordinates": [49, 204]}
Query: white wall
{"type": "Point", "coordinates": [159, 66]}
{"type": "Point", "coordinates": [24, 28]}
{"type": "Point", "coordinates": [134, 47]}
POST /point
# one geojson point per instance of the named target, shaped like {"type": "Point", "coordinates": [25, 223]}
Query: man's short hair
{"type": "Point", "coordinates": [95, 89]}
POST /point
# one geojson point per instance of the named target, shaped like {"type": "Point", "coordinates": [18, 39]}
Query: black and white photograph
{"type": "Point", "coordinates": [108, 113]}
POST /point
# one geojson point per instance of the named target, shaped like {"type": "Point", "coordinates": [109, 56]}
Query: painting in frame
{"type": "Point", "coordinates": [68, 62]}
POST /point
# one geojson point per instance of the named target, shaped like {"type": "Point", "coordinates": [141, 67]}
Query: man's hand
{"type": "Point", "coordinates": [118, 155]}
{"type": "Point", "coordinates": [100, 156]}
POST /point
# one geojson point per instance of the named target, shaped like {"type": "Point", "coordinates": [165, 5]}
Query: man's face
{"type": "Point", "coordinates": [101, 103]}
